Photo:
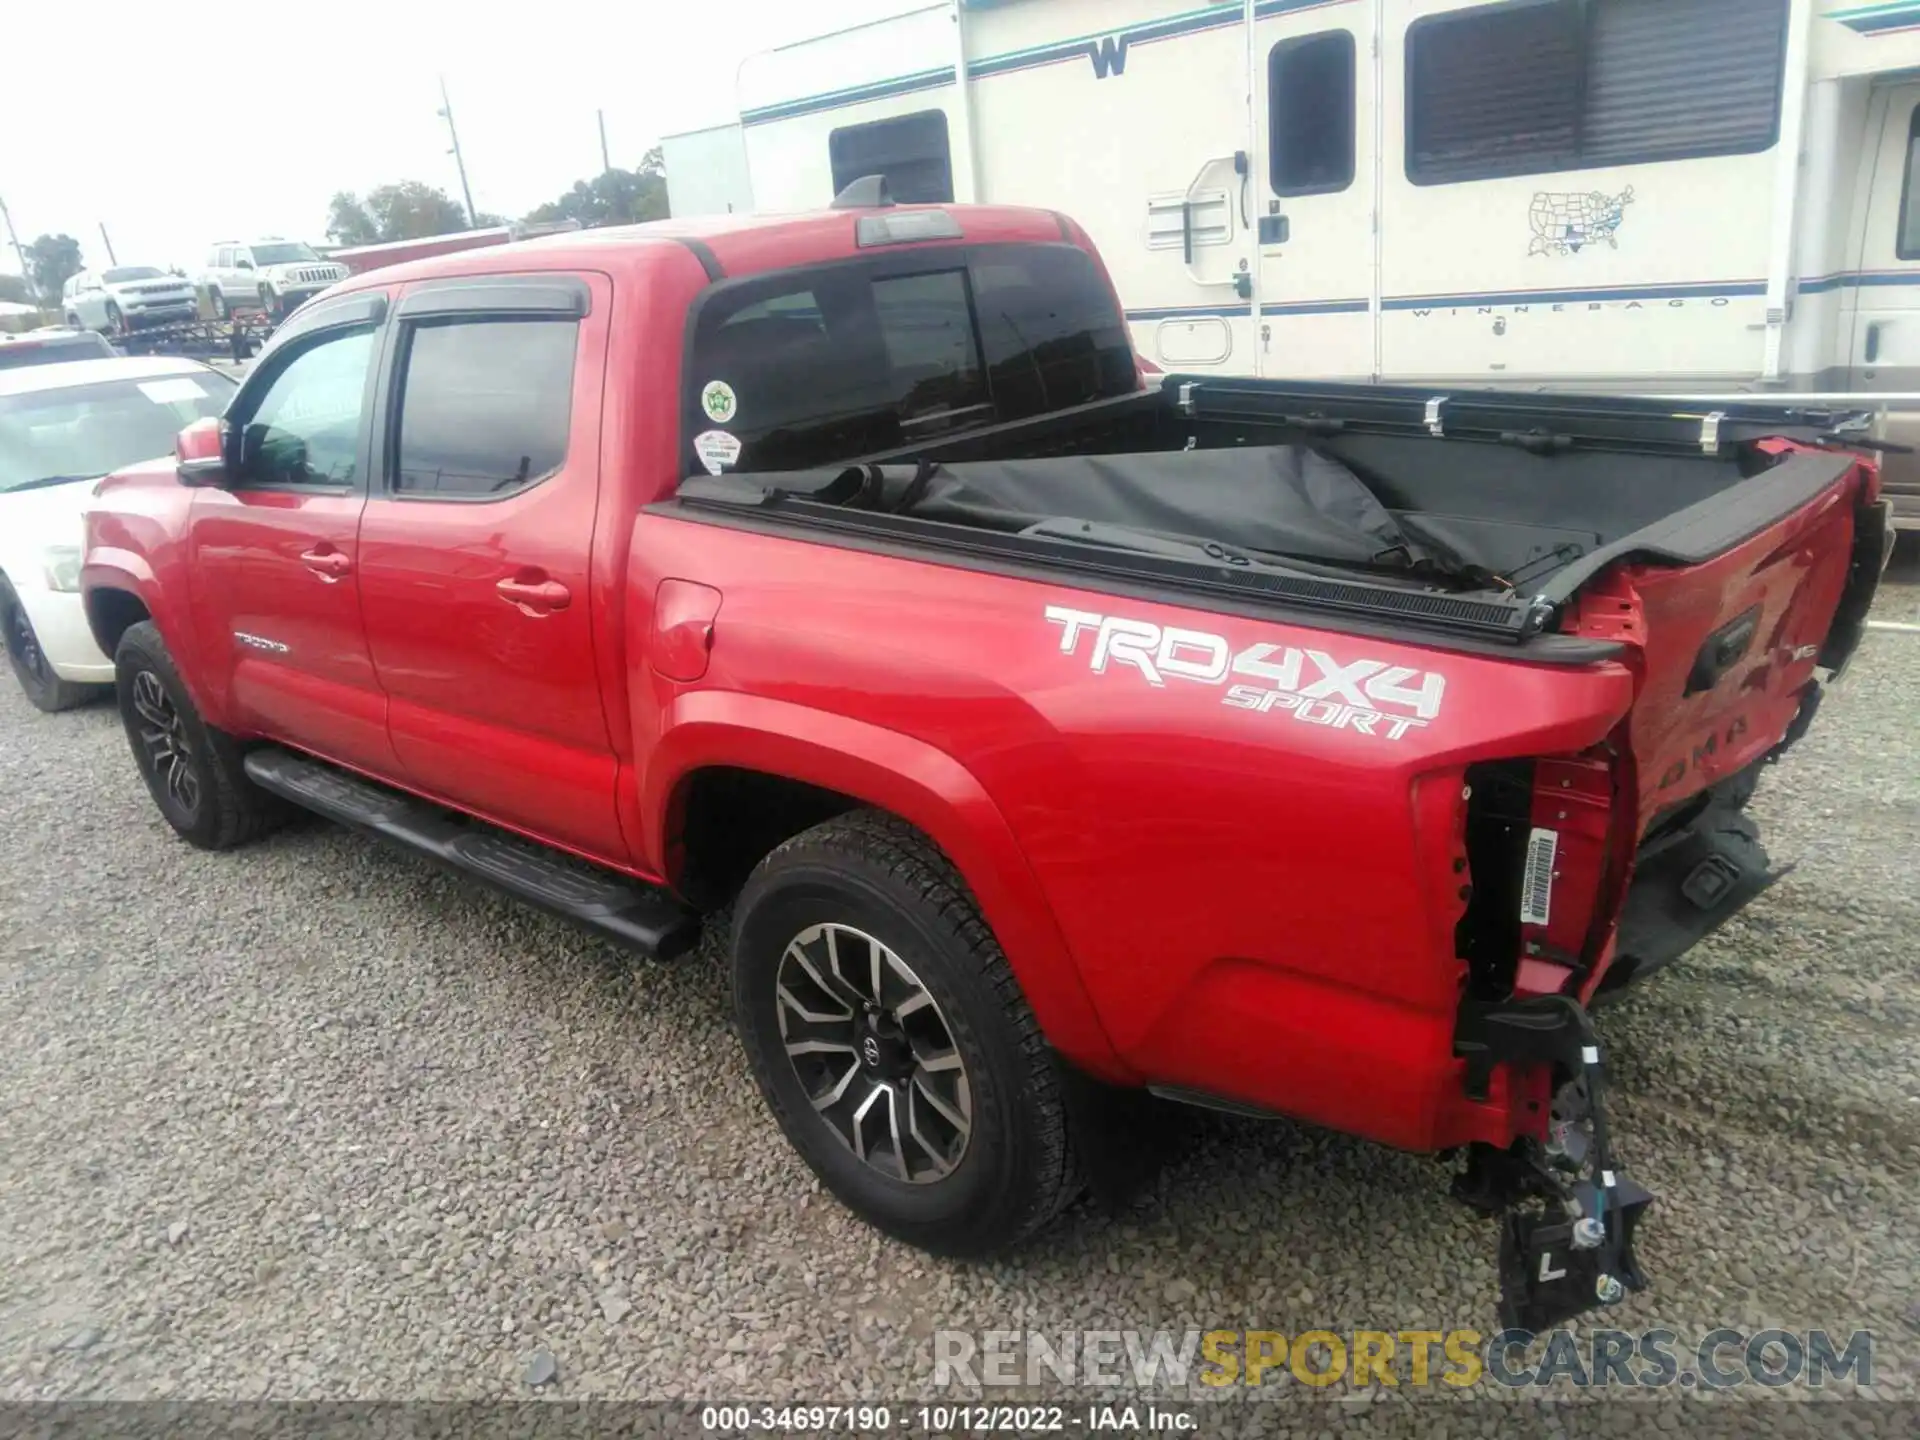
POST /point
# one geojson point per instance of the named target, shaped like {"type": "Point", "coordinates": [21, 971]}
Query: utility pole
{"type": "Point", "coordinates": [605, 163]}
{"type": "Point", "coordinates": [446, 109]}
{"type": "Point", "coordinates": [112, 259]}
{"type": "Point", "coordinates": [26, 271]}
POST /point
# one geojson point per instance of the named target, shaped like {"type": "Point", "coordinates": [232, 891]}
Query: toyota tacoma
{"type": "Point", "coordinates": [1303, 750]}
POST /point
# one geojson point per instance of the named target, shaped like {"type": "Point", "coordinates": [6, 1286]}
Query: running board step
{"type": "Point", "coordinates": [640, 916]}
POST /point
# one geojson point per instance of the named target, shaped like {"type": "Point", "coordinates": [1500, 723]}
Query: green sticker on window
{"type": "Point", "coordinates": [719, 401]}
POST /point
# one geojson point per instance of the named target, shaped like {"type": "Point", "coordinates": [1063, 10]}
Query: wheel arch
{"type": "Point", "coordinates": [112, 609]}
{"type": "Point", "coordinates": [793, 767]}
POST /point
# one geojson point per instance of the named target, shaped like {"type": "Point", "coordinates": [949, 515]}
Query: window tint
{"type": "Point", "coordinates": [485, 406]}
{"type": "Point", "coordinates": [926, 328]}
{"type": "Point", "coordinates": [1310, 113]}
{"type": "Point", "coordinates": [305, 430]}
{"type": "Point", "coordinates": [1052, 334]}
{"type": "Point", "coordinates": [1907, 244]}
{"type": "Point", "coordinates": [911, 151]}
{"type": "Point", "coordinates": [840, 361]}
{"type": "Point", "coordinates": [1542, 85]}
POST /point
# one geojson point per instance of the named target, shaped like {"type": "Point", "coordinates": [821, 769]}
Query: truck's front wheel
{"type": "Point", "coordinates": [193, 771]}
{"type": "Point", "coordinates": [892, 1042]}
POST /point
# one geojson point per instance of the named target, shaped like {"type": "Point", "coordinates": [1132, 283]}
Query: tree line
{"type": "Point", "coordinates": [406, 210]}
{"type": "Point", "coordinates": [415, 210]}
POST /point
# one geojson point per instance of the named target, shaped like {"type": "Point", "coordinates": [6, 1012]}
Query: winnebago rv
{"type": "Point", "coordinates": [1588, 194]}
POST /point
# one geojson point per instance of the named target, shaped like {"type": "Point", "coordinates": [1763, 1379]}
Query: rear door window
{"type": "Point", "coordinates": [812, 367]}
{"type": "Point", "coordinates": [485, 407]}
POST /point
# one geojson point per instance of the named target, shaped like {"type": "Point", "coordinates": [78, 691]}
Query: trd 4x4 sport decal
{"type": "Point", "coordinates": [1367, 696]}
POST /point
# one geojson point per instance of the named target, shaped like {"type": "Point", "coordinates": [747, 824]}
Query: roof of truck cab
{"type": "Point", "coordinates": [740, 244]}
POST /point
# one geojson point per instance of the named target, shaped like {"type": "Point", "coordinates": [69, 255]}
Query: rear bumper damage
{"type": "Point", "coordinates": [1568, 1214]}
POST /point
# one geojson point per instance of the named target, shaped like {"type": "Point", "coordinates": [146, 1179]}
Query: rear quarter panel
{"type": "Point", "coordinates": [1253, 905]}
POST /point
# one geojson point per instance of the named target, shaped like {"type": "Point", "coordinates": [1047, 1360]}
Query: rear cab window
{"type": "Point", "coordinates": [823, 364]}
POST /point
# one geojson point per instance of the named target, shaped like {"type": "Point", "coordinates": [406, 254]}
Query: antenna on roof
{"type": "Point", "coordinates": [869, 192]}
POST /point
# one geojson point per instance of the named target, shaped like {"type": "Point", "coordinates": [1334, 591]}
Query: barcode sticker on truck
{"type": "Point", "coordinates": [1536, 886]}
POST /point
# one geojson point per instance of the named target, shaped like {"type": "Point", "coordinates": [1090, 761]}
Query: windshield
{"type": "Point", "coordinates": [18, 354]}
{"type": "Point", "coordinates": [132, 272]}
{"type": "Point", "coordinates": [83, 431]}
{"type": "Point", "coordinates": [285, 253]}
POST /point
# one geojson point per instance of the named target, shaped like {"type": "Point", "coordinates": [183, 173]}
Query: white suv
{"type": "Point", "coordinates": [127, 298]}
{"type": "Point", "coordinates": [61, 428]}
{"type": "Point", "coordinates": [275, 275]}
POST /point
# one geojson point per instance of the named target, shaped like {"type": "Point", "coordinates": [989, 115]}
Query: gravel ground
{"type": "Point", "coordinates": [314, 1121]}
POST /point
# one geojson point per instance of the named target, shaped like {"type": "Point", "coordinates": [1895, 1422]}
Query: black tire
{"type": "Point", "coordinates": [878, 875]}
{"type": "Point", "coordinates": [269, 302]}
{"type": "Point", "coordinates": [44, 689]}
{"type": "Point", "coordinates": [217, 300]}
{"type": "Point", "coordinates": [194, 772]}
{"type": "Point", "coordinates": [116, 322]}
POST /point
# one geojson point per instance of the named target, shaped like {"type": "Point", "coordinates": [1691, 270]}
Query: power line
{"type": "Point", "coordinates": [459, 161]}
{"type": "Point", "coordinates": [26, 271]}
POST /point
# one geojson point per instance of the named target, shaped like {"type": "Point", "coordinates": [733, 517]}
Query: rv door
{"type": "Point", "coordinates": [1315, 98]}
{"type": "Point", "coordinates": [1885, 331]}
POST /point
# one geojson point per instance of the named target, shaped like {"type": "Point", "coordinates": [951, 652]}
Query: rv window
{"type": "Point", "coordinates": [1907, 243]}
{"type": "Point", "coordinates": [910, 150]}
{"type": "Point", "coordinates": [825, 364]}
{"type": "Point", "coordinates": [1310, 113]}
{"type": "Point", "coordinates": [1540, 85]}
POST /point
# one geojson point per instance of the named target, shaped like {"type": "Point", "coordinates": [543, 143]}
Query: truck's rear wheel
{"type": "Point", "coordinates": [193, 771]}
{"type": "Point", "coordinates": [892, 1042]}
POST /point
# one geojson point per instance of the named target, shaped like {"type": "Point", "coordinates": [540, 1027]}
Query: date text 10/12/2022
{"type": "Point", "coordinates": [1043, 1419]}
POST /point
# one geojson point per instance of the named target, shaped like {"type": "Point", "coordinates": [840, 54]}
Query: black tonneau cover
{"type": "Point", "coordinates": [1476, 514]}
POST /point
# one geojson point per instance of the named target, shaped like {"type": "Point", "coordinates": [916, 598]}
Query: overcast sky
{"type": "Point", "coordinates": [145, 135]}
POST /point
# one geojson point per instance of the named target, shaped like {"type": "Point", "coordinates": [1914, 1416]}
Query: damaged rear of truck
{"type": "Point", "coordinates": [1359, 741]}
{"type": "Point", "coordinates": [1297, 750]}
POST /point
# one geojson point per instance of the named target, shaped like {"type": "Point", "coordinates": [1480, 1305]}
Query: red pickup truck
{"type": "Point", "coordinates": [1293, 749]}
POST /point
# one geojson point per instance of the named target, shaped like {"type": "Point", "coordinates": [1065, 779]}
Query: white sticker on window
{"type": "Point", "coordinates": [172, 391]}
{"type": "Point", "coordinates": [719, 402]}
{"type": "Point", "coordinates": [717, 450]}
{"type": "Point", "coordinates": [1536, 882]}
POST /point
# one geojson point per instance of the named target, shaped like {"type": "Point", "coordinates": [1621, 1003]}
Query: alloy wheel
{"type": "Point", "coordinates": [163, 742]}
{"type": "Point", "coordinates": [874, 1054]}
